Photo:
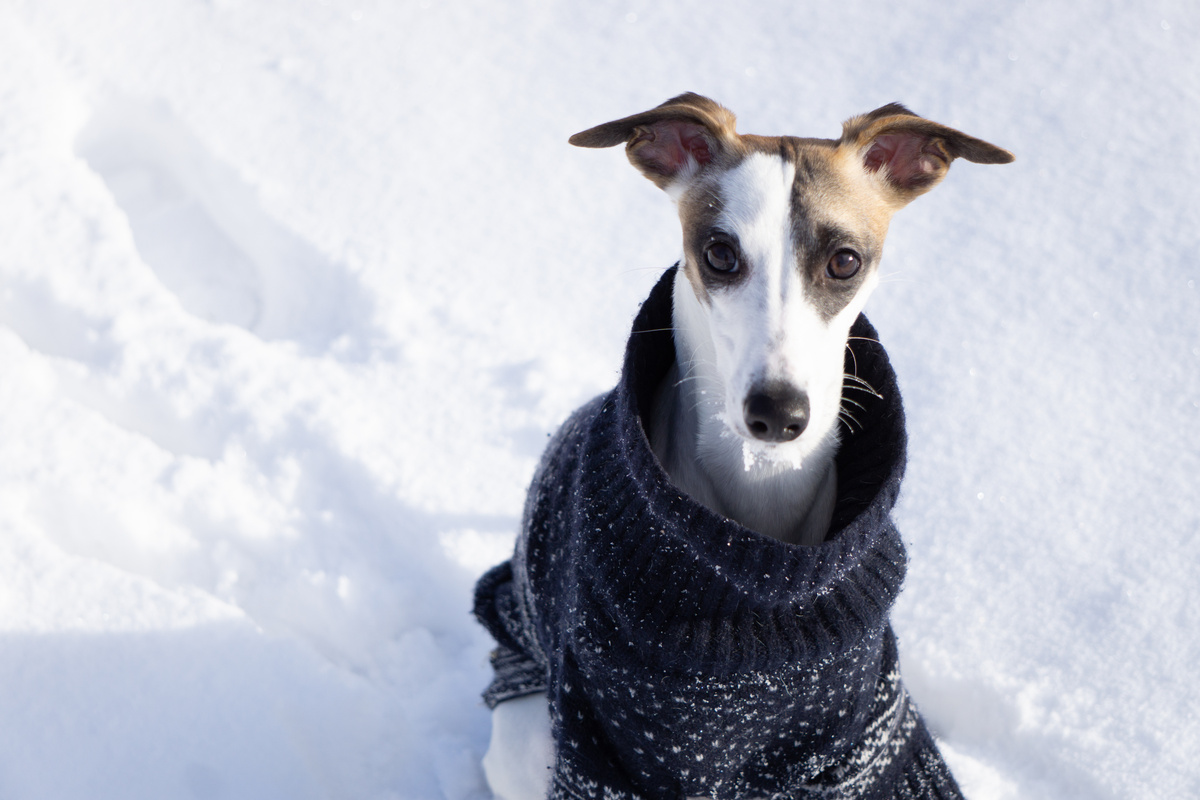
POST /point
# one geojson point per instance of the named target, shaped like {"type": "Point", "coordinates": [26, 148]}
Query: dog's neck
{"type": "Point", "coordinates": [704, 458]}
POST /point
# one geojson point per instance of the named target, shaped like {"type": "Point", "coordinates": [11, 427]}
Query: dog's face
{"type": "Point", "coordinates": [782, 239]}
{"type": "Point", "coordinates": [781, 252]}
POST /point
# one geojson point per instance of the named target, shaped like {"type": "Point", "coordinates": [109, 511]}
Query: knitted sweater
{"type": "Point", "coordinates": [683, 654]}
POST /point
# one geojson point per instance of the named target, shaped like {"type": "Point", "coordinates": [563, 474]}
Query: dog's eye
{"type": "Point", "coordinates": [721, 257]}
{"type": "Point", "coordinates": [844, 264]}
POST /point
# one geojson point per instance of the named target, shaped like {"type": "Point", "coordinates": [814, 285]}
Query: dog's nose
{"type": "Point", "coordinates": [776, 413]}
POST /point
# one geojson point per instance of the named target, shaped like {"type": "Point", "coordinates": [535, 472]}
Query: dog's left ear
{"type": "Point", "coordinates": [911, 153]}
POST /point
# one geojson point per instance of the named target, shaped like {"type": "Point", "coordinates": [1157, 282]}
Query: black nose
{"type": "Point", "coordinates": [776, 412]}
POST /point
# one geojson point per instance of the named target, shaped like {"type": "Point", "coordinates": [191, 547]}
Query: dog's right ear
{"type": "Point", "coordinates": [671, 142]}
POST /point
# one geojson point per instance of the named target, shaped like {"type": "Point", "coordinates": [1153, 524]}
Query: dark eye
{"type": "Point", "coordinates": [844, 264]}
{"type": "Point", "coordinates": [721, 257]}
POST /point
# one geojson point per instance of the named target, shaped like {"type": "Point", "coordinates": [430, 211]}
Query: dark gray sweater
{"type": "Point", "coordinates": [685, 655]}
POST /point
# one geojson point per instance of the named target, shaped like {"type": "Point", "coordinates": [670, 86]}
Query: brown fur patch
{"type": "Point", "coordinates": [699, 210]}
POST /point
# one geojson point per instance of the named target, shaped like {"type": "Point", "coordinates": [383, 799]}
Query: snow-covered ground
{"type": "Point", "coordinates": [292, 292]}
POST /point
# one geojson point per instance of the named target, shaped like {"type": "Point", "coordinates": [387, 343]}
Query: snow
{"type": "Point", "coordinates": [291, 294]}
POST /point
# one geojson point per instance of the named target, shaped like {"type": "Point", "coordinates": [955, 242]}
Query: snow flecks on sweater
{"type": "Point", "coordinates": [683, 654]}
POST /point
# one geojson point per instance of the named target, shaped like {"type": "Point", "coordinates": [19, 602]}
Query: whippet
{"type": "Point", "coordinates": [782, 239]}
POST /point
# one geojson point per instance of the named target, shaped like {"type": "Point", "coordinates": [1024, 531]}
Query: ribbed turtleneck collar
{"type": "Point", "coordinates": [698, 591]}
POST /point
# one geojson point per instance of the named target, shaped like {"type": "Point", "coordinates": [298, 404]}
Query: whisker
{"type": "Point", "coordinates": [848, 418]}
{"type": "Point", "coordinates": [854, 382]}
{"type": "Point", "coordinates": [705, 362]}
{"type": "Point", "coordinates": [894, 277]}
{"type": "Point", "coordinates": [853, 403]}
{"type": "Point", "coordinates": [713, 381]}
{"type": "Point", "coordinates": [861, 386]}
{"type": "Point", "coordinates": [853, 357]}
{"type": "Point", "coordinates": [864, 390]}
{"type": "Point", "coordinates": [700, 402]}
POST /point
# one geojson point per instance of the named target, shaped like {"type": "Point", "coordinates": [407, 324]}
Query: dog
{"type": "Point", "coordinates": [782, 240]}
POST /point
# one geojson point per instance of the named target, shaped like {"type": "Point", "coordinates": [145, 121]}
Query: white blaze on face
{"type": "Point", "coordinates": [765, 327]}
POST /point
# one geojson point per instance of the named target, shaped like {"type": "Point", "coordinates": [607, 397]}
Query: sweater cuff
{"type": "Point", "coordinates": [516, 670]}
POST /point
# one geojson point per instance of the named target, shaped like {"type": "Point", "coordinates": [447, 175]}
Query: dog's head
{"type": "Point", "coordinates": [782, 238]}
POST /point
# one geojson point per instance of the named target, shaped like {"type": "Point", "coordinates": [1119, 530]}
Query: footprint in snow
{"type": "Point", "coordinates": [203, 232]}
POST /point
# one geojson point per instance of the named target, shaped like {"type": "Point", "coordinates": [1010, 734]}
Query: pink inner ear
{"type": "Point", "coordinates": [911, 158]}
{"type": "Point", "coordinates": [667, 145]}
